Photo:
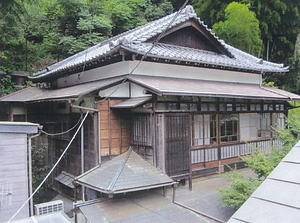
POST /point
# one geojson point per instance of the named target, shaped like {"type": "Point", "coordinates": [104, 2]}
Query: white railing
{"type": "Point", "coordinates": [203, 155]}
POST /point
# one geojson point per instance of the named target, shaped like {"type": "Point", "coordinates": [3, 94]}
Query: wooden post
{"type": "Point", "coordinates": [218, 124]}
{"type": "Point", "coordinates": [109, 129]}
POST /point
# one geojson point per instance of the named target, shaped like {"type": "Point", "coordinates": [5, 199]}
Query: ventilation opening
{"type": "Point", "coordinates": [49, 207]}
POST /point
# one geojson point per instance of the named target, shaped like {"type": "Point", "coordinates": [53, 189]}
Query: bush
{"type": "Point", "coordinates": [239, 191]}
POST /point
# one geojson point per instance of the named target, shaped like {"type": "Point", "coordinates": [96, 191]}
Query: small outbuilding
{"type": "Point", "coordinates": [15, 175]}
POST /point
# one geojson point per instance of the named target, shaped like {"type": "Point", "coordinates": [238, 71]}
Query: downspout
{"type": "Point", "coordinates": [82, 157]}
{"type": "Point", "coordinates": [82, 141]}
{"type": "Point", "coordinates": [30, 168]}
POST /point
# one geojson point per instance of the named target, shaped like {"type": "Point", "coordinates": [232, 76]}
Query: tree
{"type": "Point", "coordinates": [293, 78]}
{"type": "Point", "coordinates": [240, 28]}
{"type": "Point", "coordinates": [278, 21]}
{"type": "Point", "coordinates": [6, 85]}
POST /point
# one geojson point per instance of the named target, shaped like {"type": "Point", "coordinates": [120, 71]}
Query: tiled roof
{"type": "Point", "coordinates": [125, 173]}
{"type": "Point", "coordinates": [241, 59]}
{"type": "Point", "coordinates": [135, 39]}
{"type": "Point", "coordinates": [277, 199]}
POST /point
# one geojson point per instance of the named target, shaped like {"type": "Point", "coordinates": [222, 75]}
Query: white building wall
{"type": "Point", "coordinates": [248, 126]}
{"type": "Point", "coordinates": [161, 70]}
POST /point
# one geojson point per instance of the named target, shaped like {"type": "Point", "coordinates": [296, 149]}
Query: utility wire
{"type": "Point", "coordinates": [62, 133]}
{"type": "Point", "coordinates": [146, 54]}
{"type": "Point", "coordinates": [61, 156]}
{"type": "Point", "coordinates": [142, 59]}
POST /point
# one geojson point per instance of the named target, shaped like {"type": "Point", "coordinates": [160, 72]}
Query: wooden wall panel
{"type": "Point", "coordinates": [114, 128]}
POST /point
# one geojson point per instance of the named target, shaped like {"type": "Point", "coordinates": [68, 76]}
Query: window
{"type": "Point", "coordinates": [142, 130]}
{"type": "Point", "coordinates": [229, 124]}
{"type": "Point", "coordinates": [203, 130]}
{"type": "Point", "coordinates": [264, 124]}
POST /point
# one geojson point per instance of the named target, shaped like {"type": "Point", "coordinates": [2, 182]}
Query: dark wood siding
{"type": "Point", "coordinates": [177, 144]}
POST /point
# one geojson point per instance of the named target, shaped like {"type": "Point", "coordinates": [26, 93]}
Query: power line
{"type": "Point", "coordinates": [59, 159]}
{"type": "Point", "coordinates": [146, 54]}
{"type": "Point", "coordinates": [62, 133]}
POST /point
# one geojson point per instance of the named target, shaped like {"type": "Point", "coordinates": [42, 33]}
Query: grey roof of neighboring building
{"type": "Point", "coordinates": [34, 94]}
{"type": "Point", "coordinates": [125, 173]}
{"type": "Point", "coordinates": [56, 217]}
{"type": "Point", "coordinates": [132, 102]}
{"type": "Point", "coordinates": [189, 87]}
{"type": "Point", "coordinates": [135, 41]}
{"type": "Point", "coordinates": [277, 199]}
{"type": "Point", "coordinates": [66, 179]}
{"type": "Point", "coordinates": [19, 127]}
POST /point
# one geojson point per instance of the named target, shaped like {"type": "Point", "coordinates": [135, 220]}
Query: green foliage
{"type": "Point", "coordinates": [278, 21]}
{"type": "Point", "coordinates": [6, 85]}
{"type": "Point", "coordinates": [240, 28]}
{"type": "Point", "coordinates": [260, 163]}
{"type": "Point", "coordinates": [263, 164]}
{"type": "Point", "coordinates": [39, 171]}
{"type": "Point", "coordinates": [291, 135]}
{"type": "Point", "coordinates": [240, 190]}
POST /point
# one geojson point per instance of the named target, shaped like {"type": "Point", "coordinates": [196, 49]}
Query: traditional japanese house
{"type": "Point", "coordinates": [186, 101]}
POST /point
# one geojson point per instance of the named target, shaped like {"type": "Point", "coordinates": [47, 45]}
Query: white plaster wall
{"type": "Point", "coordinates": [158, 69]}
{"type": "Point", "coordinates": [118, 91]}
{"type": "Point", "coordinates": [248, 126]}
{"type": "Point", "coordinates": [137, 91]}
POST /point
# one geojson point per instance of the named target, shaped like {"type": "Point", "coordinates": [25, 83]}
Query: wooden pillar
{"type": "Point", "coordinates": [109, 129]}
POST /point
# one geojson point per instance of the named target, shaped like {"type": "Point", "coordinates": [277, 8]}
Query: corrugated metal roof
{"type": "Point", "coordinates": [277, 199]}
{"type": "Point", "coordinates": [125, 173]}
{"type": "Point", "coordinates": [32, 94]}
{"type": "Point", "coordinates": [135, 39]}
{"type": "Point", "coordinates": [66, 179]}
{"type": "Point", "coordinates": [188, 87]}
{"type": "Point", "coordinates": [132, 102]}
{"type": "Point", "coordinates": [57, 217]}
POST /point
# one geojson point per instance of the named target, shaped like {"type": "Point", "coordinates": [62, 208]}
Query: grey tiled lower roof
{"type": "Point", "coordinates": [189, 87]}
{"type": "Point", "coordinates": [277, 199]}
{"type": "Point", "coordinates": [125, 173]}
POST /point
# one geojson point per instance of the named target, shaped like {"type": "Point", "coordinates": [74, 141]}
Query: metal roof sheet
{"type": "Point", "coordinates": [19, 127]}
{"type": "Point", "coordinates": [189, 87]}
{"type": "Point", "coordinates": [56, 217]}
{"type": "Point", "coordinates": [132, 102]}
{"type": "Point", "coordinates": [66, 179]}
{"type": "Point", "coordinates": [135, 40]}
{"type": "Point", "coordinates": [150, 206]}
{"type": "Point", "coordinates": [277, 199]}
{"type": "Point", "coordinates": [32, 94]}
{"type": "Point", "coordinates": [125, 173]}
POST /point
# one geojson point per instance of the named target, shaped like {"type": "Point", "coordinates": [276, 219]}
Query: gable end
{"type": "Point", "coordinates": [191, 34]}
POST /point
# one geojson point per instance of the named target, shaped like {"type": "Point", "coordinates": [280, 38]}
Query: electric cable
{"type": "Point", "coordinates": [146, 54]}
{"type": "Point", "coordinates": [59, 159]}
{"type": "Point", "coordinates": [125, 79]}
{"type": "Point", "coordinates": [62, 133]}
